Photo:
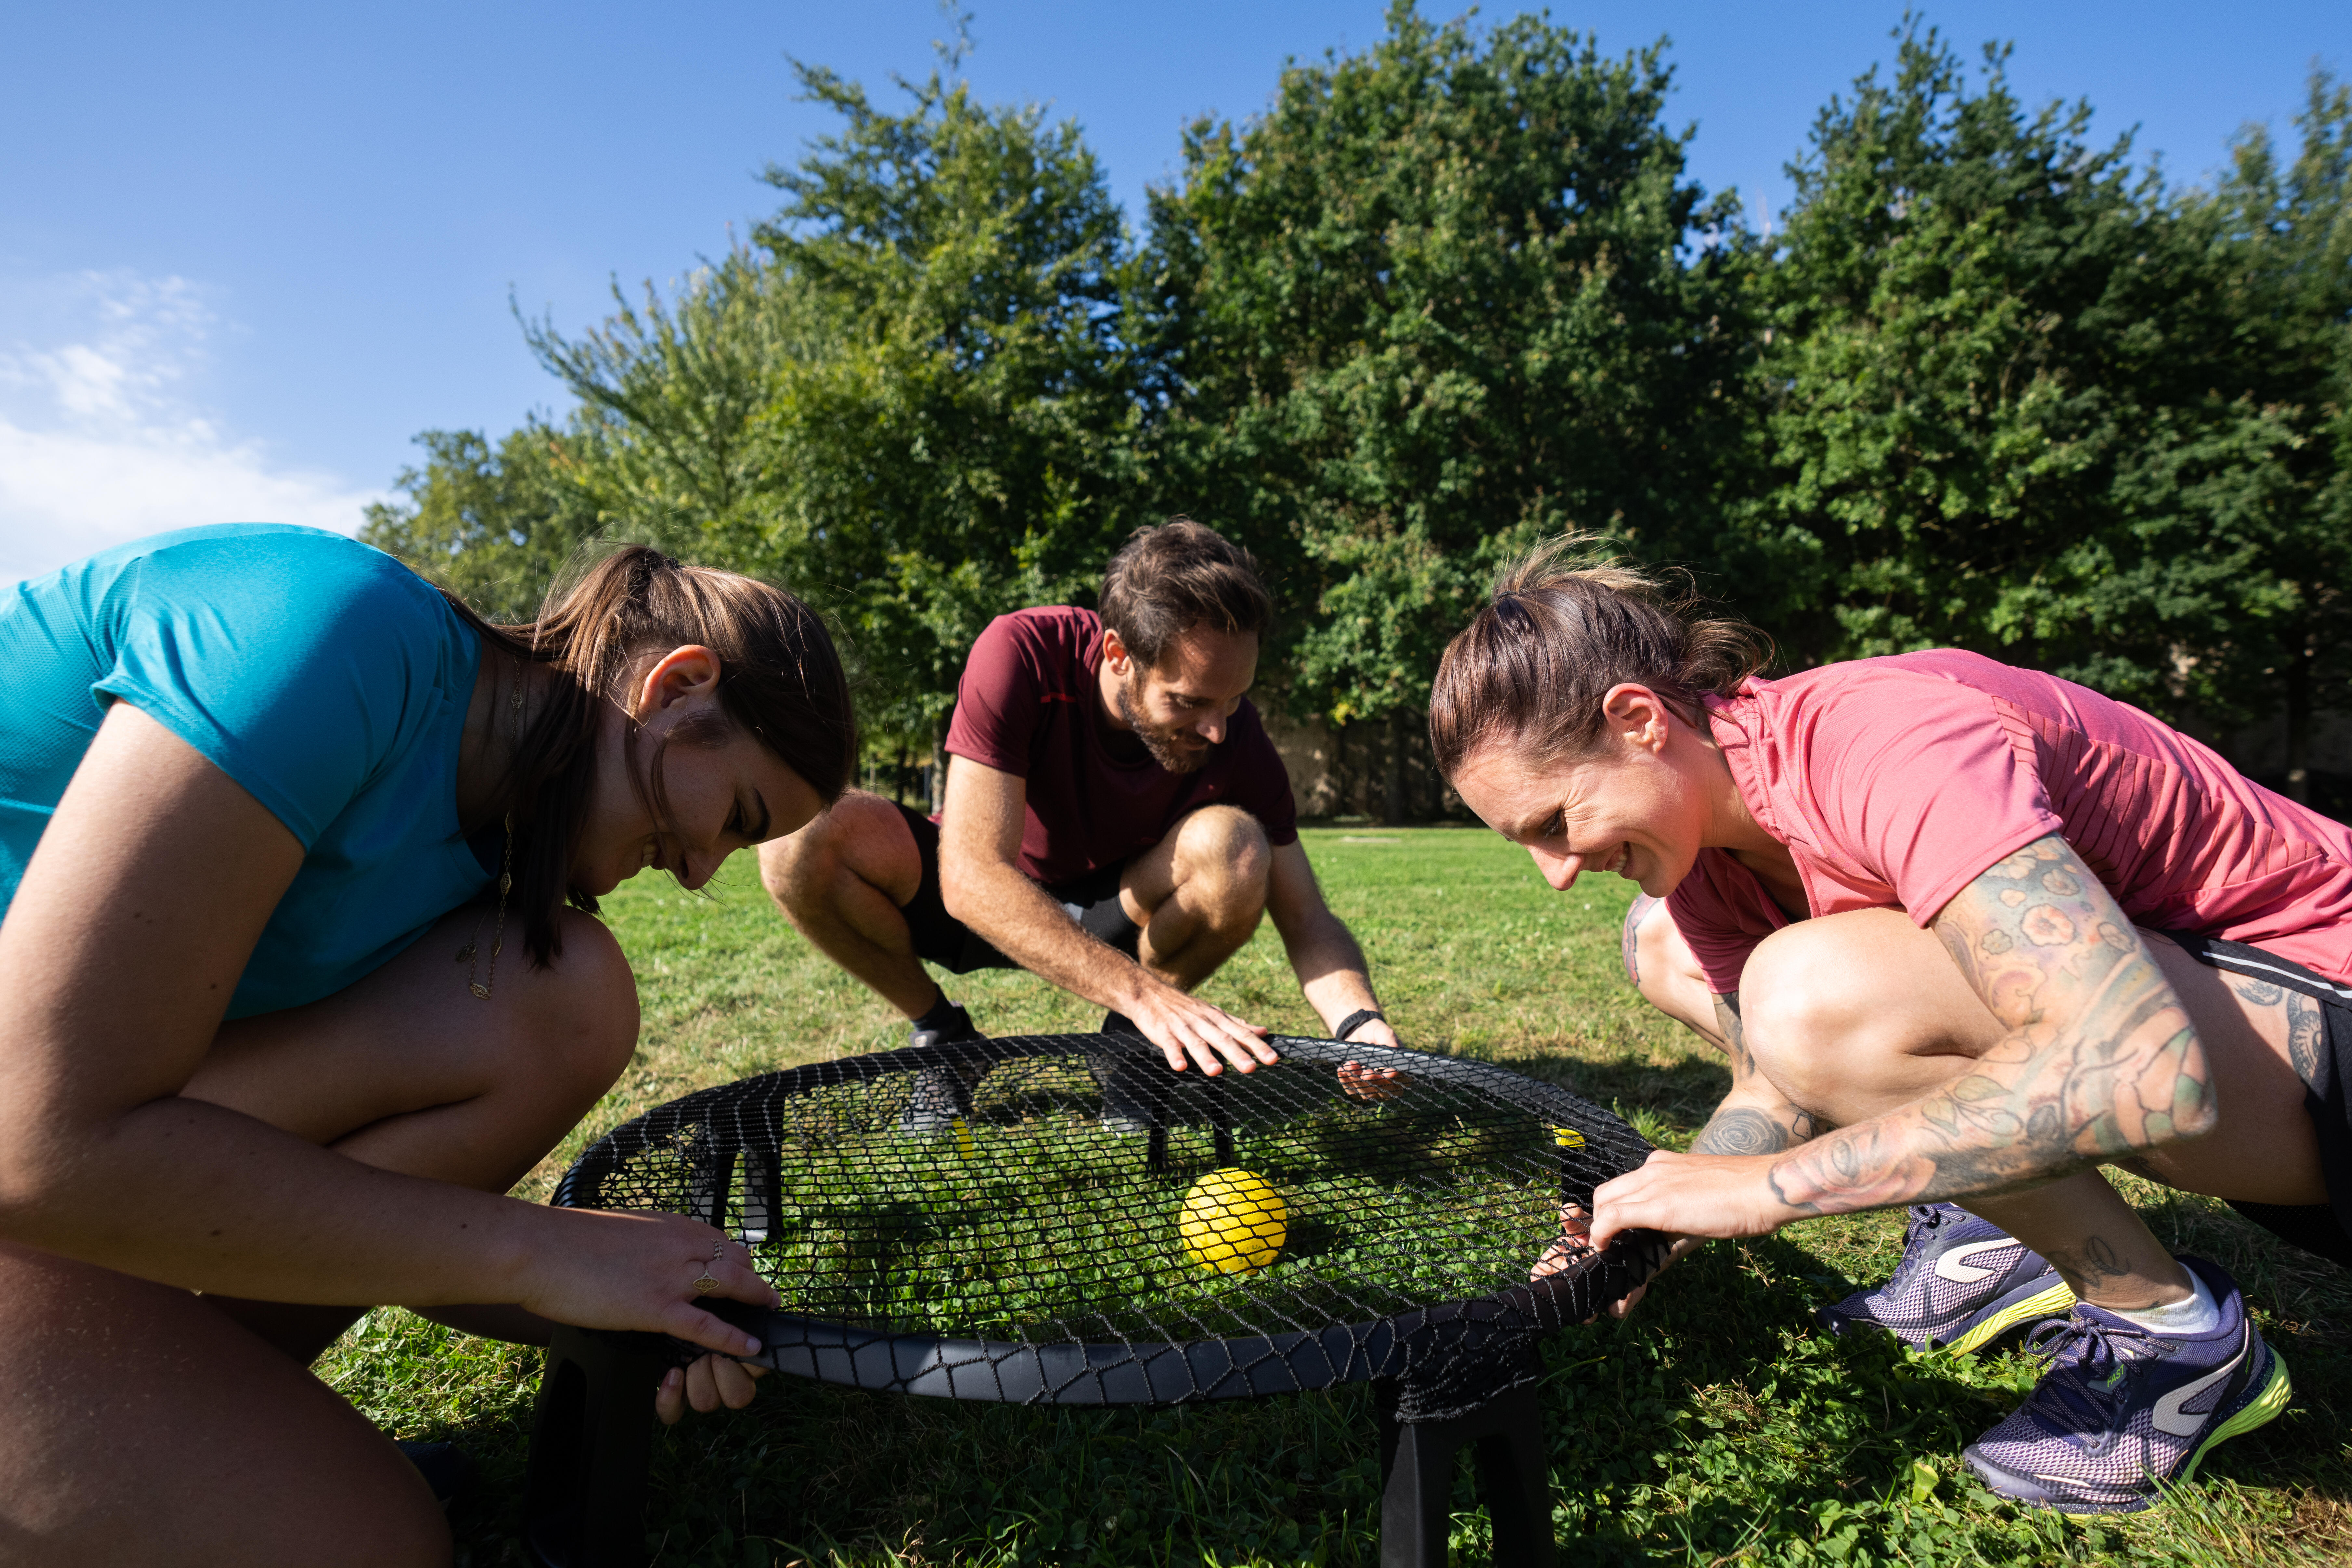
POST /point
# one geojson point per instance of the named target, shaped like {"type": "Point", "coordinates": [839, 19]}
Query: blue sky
{"type": "Point", "coordinates": [249, 250]}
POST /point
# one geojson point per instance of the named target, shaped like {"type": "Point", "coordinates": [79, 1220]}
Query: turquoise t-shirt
{"type": "Point", "coordinates": [327, 679]}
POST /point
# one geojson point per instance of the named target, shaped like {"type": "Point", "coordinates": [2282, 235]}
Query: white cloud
{"type": "Point", "coordinates": [102, 439]}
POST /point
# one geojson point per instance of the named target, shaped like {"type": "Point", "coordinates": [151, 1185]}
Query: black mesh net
{"type": "Point", "coordinates": [1062, 1218]}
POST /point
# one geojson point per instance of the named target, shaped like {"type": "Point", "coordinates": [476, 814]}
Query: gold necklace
{"type": "Point", "coordinates": [468, 955]}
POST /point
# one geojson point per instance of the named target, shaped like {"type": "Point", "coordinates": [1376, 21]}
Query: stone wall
{"type": "Point", "coordinates": [1349, 769]}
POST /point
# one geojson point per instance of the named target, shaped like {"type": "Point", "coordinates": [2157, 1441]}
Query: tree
{"type": "Point", "coordinates": [1443, 298]}
{"type": "Point", "coordinates": [909, 400]}
{"type": "Point", "coordinates": [495, 526]}
{"type": "Point", "coordinates": [967, 445]}
{"type": "Point", "coordinates": [656, 450]}
{"type": "Point", "coordinates": [2283, 238]}
{"type": "Point", "coordinates": [2010, 400]}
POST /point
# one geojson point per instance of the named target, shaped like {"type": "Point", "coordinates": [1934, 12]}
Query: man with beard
{"type": "Point", "coordinates": [1116, 821]}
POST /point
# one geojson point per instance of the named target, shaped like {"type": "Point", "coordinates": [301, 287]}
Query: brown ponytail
{"type": "Point", "coordinates": [1532, 668]}
{"type": "Point", "coordinates": [779, 679]}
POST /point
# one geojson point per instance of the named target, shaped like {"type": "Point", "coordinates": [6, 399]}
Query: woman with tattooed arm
{"type": "Point", "coordinates": [1967, 933]}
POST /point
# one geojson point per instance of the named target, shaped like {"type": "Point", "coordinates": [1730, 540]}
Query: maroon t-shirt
{"type": "Point", "coordinates": [1028, 706]}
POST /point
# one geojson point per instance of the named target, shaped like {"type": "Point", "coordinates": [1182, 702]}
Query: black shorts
{"type": "Point", "coordinates": [2324, 1229]}
{"type": "Point", "coordinates": [1092, 900]}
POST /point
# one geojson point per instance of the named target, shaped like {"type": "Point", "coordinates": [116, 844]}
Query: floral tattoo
{"type": "Point", "coordinates": [1761, 1121]}
{"type": "Point", "coordinates": [2100, 1059]}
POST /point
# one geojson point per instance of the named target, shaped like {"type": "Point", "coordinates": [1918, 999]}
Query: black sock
{"type": "Point", "coordinates": [944, 1016]}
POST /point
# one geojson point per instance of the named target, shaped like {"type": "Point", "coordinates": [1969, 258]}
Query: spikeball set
{"type": "Point", "coordinates": [1062, 1219]}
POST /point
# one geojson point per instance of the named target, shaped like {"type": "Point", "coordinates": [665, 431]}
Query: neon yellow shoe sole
{"type": "Point", "coordinates": [2260, 1410]}
{"type": "Point", "coordinates": [2048, 1303]}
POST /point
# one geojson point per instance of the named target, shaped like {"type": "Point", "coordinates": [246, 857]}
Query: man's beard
{"type": "Point", "coordinates": [1166, 744]}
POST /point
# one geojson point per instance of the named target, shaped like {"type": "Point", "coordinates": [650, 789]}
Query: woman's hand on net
{"type": "Point", "coordinates": [1574, 1244]}
{"type": "Point", "coordinates": [709, 1383]}
{"type": "Point", "coordinates": [1691, 1195]}
{"type": "Point", "coordinates": [596, 1270]}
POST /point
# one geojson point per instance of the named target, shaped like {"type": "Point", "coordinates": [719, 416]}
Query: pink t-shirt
{"type": "Point", "coordinates": [1896, 782]}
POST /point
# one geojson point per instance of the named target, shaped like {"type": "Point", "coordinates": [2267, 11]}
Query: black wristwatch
{"type": "Point", "coordinates": [1357, 1020]}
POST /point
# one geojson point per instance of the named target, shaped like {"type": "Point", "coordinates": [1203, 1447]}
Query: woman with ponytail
{"type": "Point", "coordinates": [1965, 933]}
{"type": "Point", "coordinates": [298, 860]}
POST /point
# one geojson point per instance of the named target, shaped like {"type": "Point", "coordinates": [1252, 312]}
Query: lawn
{"type": "Point", "coordinates": [1716, 1425]}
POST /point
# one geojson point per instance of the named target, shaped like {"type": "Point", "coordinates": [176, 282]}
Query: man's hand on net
{"type": "Point", "coordinates": [1189, 1031]}
{"type": "Point", "coordinates": [1360, 1082]}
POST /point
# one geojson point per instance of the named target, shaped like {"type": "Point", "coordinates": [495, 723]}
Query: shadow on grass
{"type": "Point", "coordinates": [1676, 1096]}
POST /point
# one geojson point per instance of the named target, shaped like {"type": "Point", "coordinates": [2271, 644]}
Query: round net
{"type": "Point", "coordinates": [1062, 1218]}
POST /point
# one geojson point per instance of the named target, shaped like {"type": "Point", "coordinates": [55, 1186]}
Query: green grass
{"type": "Point", "coordinates": [1715, 1426]}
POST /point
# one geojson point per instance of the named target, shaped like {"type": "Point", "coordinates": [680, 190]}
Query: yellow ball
{"type": "Point", "coordinates": [1233, 1222]}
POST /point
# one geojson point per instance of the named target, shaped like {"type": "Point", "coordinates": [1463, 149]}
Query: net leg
{"type": "Point", "coordinates": [1417, 1459]}
{"type": "Point", "coordinates": [762, 1194]}
{"type": "Point", "coordinates": [705, 1200]}
{"type": "Point", "coordinates": [583, 1494]}
{"type": "Point", "coordinates": [1416, 1489]}
{"type": "Point", "coordinates": [1513, 1480]}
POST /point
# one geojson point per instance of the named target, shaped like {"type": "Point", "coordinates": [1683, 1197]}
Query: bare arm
{"type": "Point", "coordinates": [1332, 974]}
{"type": "Point", "coordinates": [981, 884]}
{"type": "Point", "coordinates": [118, 954]}
{"type": "Point", "coordinates": [1754, 1118]}
{"type": "Point", "coordinates": [2100, 1059]}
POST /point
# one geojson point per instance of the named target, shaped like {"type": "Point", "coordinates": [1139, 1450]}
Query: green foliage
{"type": "Point", "coordinates": [2015, 398]}
{"type": "Point", "coordinates": [2283, 238]}
{"type": "Point", "coordinates": [968, 445]}
{"type": "Point", "coordinates": [671, 396]}
{"type": "Point", "coordinates": [908, 401]}
{"type": "Point", "coordinates": [1994, 387]}
{"type": "Point", "coordinates": [1440, 301]}
{"type": "Point", "coordinates": [495, 526]}
{"type": "Point", "coordinates": [1970, 314]}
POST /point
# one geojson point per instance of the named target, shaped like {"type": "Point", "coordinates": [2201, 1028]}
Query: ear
{"type": "Point", "coordinates": [1114, 654]}
{"type": "Point", "coordinates": [1636, 714]}
{"type": "Point", "coordinates": [679, 676]}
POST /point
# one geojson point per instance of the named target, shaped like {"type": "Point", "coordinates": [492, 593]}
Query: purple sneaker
{"type": "Point", "coordinates": [1962, 1281]}
{"type": "Point", "coordinates": [2122, 1412]}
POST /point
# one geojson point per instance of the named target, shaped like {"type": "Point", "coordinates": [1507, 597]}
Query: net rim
{"type": "Point", "coordinates": [579, 1185]}
{"type": "Point", "coordinates": [1168, 1373]}
{"type": "Point", "coordinates": [1122, 1372]}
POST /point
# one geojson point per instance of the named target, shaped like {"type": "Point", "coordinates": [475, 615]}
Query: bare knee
{"type": "Point", "coordinates": [587, 1020]}
{"type": "Point", "coordinates": [861, 836]}
{"type": "Point", "coordinates": [1665, 970]}
{"type": "Point", "coordinates": [1223, 864]}
{"type": "Point", "coordinates": [1849, 1014]}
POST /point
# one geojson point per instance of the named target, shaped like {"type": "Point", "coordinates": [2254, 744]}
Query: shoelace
{"type": "Point", "coordinates": [1925, 1219]}
{"type": "Point", "coordinates": [2087, 1361]}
